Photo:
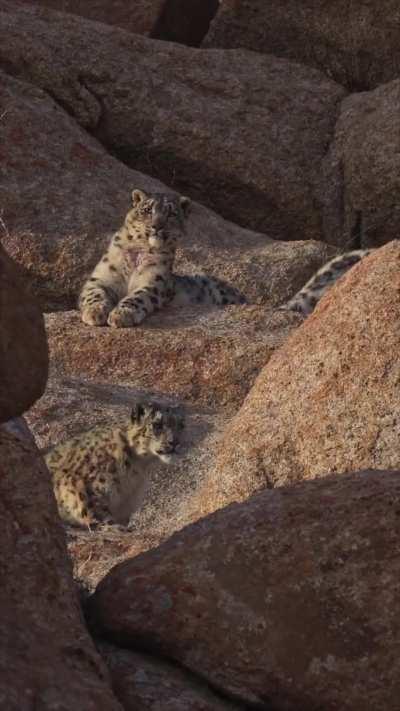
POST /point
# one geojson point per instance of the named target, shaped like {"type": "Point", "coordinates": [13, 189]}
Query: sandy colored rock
{"type": "Point", "coordinates": [141, 681]}
{"type": "Point", "coordinates": [356, 43]}
{"type": "Point", "coordinates": [329, 399]}
{"type": "Point", "coordinates": [56, 223]}
{"type": "Point", "coordinates": [366, 150]}
{"type": "Point", "coordinates": [23, 346]}
{"type": "Point", "coordinates": [47, 659]}
{"type": "Point", "coordinates": [289, 599]}
{"type": "Point", "coordinates": [243, 133]}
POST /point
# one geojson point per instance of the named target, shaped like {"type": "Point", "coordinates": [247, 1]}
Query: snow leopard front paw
{"type": "Point", "coordinates": [95, 315]}
{"type": "Point", "coordinates": [124, 317]}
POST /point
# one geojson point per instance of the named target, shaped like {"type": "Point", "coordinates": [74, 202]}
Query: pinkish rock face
{"type": "Point", "coordinates": [329, 400]}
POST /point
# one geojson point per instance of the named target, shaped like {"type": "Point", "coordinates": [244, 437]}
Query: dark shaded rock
{"type": "Point", "coordinates": [140, 681]}
{"type": "Point", "coordinates": [23, 345]}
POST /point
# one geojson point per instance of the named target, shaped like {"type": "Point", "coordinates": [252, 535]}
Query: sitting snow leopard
{"type": "Point", "coordinates": [135, 277]}
{"type": "Point", "coordinates": [307, 298]}
{"type": "Point", "coordinates": [102, 475]}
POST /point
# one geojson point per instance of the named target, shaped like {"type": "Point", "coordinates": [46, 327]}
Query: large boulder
{"type": "Point", "coordinates": [329, 399]}
{"type": "Point", "coordinates": [23, 346]}
{"type": "Point", "coordinates": [47, 659]}
{"type": "Point", "coordinates": [365, 211]}
{"type": "Point", "coordinates": [290, 600]}
{"type": "Point", "coordinates": [62, 196]}
{"type": "Point", "coordinates": [356, 43]}
{"type": "Point", "coordinates": [243, 133]}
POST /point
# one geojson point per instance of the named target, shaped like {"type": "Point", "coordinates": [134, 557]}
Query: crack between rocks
{"type": "Point", "coordinates": [197, 679]}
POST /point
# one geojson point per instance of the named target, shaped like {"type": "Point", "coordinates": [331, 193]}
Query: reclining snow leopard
{"type": "Point", "coordinates": [135, 276]}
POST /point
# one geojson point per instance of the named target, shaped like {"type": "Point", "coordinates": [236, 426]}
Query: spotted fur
{"type": "Point", "coordinates": [135, 276]}
{"type": "Point", "coordinates": [101, 476]}
{"type": "Point", "coordinates": [307, 298]}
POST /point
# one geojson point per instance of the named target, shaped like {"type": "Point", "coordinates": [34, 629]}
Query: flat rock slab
{"type": "Point", "coordinates": [329, 400]}
{"type": "Point", "coordinates": [243, 133]}
{"type": "Point", "coordinates": [356, 43]}
{"type": "Point", "coordinates": [47, 659]}
{"type": "Point", "coordinates": [23, 346]}
{"type": "Point", "coordinates": [205, 357]}
{"type": "Point", "coordinates": [289, 600]}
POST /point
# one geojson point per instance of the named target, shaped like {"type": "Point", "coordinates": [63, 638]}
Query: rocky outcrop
{"type": "Point", "coordinates": [329, 399]}
{"type": "Point", "coordinates": [366, 150]}
{"type": "Point", "coordinates": [57, 221]}
{"type": "Point", "coordinates": [47, 659]}
{"type": "Point", "coordinates": [23, 347]}
{"type": "Point", "coordinates": [241, 132]}
{"type": "Point", "coordinates": [288, 600]}
{"type": "Point", "coordinates": [355, 43]}
{"type": "Point", "coordinates": [146, 683]}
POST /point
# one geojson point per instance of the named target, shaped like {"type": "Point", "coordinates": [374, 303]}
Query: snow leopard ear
{"type": "Point", "coordinates": [185, 204]}
{"type": "Point", "coordinates": [138, 196]}
{"type": "Point", "coordinates": [138, 413]}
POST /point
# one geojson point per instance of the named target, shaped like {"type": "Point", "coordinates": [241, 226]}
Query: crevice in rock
{"type": "Point", "coordinates": [185, 22]}
{"type": "Point", "coordinates": [194, 679]}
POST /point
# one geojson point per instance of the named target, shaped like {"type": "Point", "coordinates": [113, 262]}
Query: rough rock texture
{"type": "Point", "coordinates": [242, 132]}
{"type": "Point", "coordinates": [290, 599]}
{"type": "Point", "coordinates": [140, 16]}
{"type": "Point", "coordinates": [47, 659]}
{"type": "Point", "coordinates": [329, 399]}
{"type": "Point", "coordinates": [74, 404]}
{"type": "Point", "coordinates": [143, 682]}
{"type": "Point", "coordinates": [356, 43]}
{"type": "Point", "coordinates": [23, 346]}
{"type": "Point", "coordinates": [366, 150]}
{"type": "Point", "coordinates": [210, 358]}
{"type": "Point", "coordinates": [62, 195]}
